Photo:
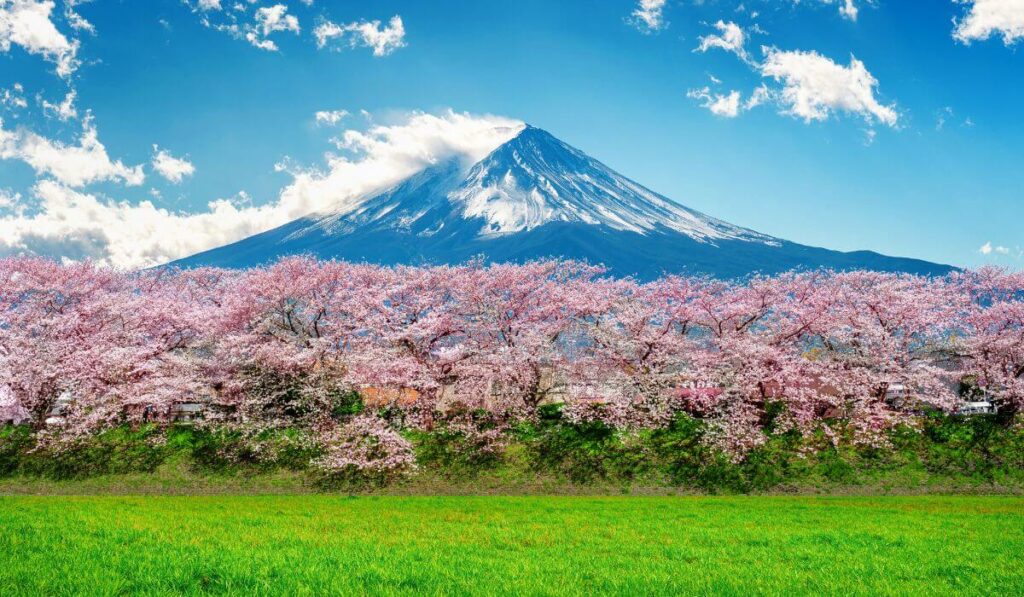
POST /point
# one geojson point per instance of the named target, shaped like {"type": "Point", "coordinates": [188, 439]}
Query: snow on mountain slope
{"type": "Point", "coordinates": [535, 179]}
{"type": "Point", "coordinates": [536, 197]}
{"type": "Point", "coordinates": [532, 180]}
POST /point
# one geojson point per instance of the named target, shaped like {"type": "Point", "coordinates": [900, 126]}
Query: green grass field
{"type": "Point", "coordinates": [531, 545]}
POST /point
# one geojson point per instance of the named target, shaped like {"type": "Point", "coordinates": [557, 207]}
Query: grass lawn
{"type": "Point", "coordinates": [523, 545]}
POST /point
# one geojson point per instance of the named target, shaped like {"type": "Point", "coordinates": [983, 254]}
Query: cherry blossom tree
{"type": "Point", "coordinates": [366, 446]}
{"type": "Point", "coordinates": [525, 319]}
{"type": "Point", "coordinates": [116, 348]}
{"type": "Point", "coordinates": [993, 341]}
{"type": "Point", "coordinates": [475, 347]}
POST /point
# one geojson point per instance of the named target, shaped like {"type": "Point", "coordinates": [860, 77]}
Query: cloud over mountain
{"type": "Point", "coordinates": [62, 221]}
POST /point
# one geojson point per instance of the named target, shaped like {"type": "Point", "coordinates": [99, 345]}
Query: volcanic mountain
{"type": "Point", "coordinates": [535, 197]}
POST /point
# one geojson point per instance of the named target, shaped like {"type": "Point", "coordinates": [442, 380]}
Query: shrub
{"type": "Point", "coordinates": [15, 442]}
{"type": "Point", "coordinates": [114, 451]}
{"type": "Point", "coordinates": [366, 449]}
{"type": "Point", "coordinates": [224, 449]}
{"type": "Point", "coordinates": [585, 451]}
{"type": "Point", "coordinates": [462, 442]}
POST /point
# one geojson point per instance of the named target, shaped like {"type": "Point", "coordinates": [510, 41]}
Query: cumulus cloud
{"type": "Point", "coordinates": [730, 38]}
{"type": "Point", "coordinates": [985, 18]}
{"type": "Point", "coordinates": [235, 20]}
{"type": "Point", "coordinates": [727, 106]}
{"type": "Point", "coordinates": [79, 225]}
{"type": "Point", "coordinates": [989, 249]}
{"type": "Point", "coordinates": [65, 110]}
{"type": "Point", "coordinates": [804, 84]}
{"type": "Point", "coordinates": [649, 16]}
{"type": "Point", "coordinates": [761, 95]}
{"type": "Point", "coordinates": [385, 154]}
{"type": "Point", "coordinates": [814, 87]}
{"type": "Point", "coordinates": [73, 165]}
{"type": "Point", "coordinates": [330, 117]}
{"type": "Point", "coordinates": [13, 98]}
{"type": "Point", "coordinates": [74, 19]}
{"type": "Point", "coordinates": [369, 34]}
{"type": "Point", "coordinates": [27, 23]}
{"type": "Point", "coordinates": [172, 168]}
{"type": "Point", "coordinates": [9, 199]}
{"type": "Point", "coordinates": [270, 19]}
{"type": "Point", "coordinates": [848, 10]}
{"type": "Point", "coordinates": [276, 18]}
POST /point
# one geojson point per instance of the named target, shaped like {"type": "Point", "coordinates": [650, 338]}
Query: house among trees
{"type": "Point", "coordinates": [975, 400]}
{"type": "Point", "coordinates": [198, 406]}
{"type": "Point", "coordinates": [375, 396]}
{"type": "Point", "coordinates": [60, 408]}
{"type": "Point", "coordinates": [978, 407]}
{"type": "Point", "coordinates": [187, 412]}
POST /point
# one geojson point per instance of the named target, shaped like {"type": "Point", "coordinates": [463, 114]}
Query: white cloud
{"type": "Point", "coordinates": [649, 16]}
{"type": "Point", "coordinates": [65, 110]}
{"type": "Point", "coordinates": [73, 165]}
{"type": "Point", "coordinates": [27, 23]}
{"type": "Point", "coordinates": [13, 98]}
{"type": "Point", "coordinates": [276, 18]}
{"type": "Point", "coordinates": [727, 106]}
{"type": "Point", "coordinates": [270, 19]}
{"type": "Point", "coordinates": [985, 18]}
{"type": "Point", "coordinates": [172, 168]}
{"type": "Point", "coordinates": [74, 19]}
{"type": "Point", "coordinates": [848, 10]}
{"type": "Point", "coordinates": [731, 38]}
{"type": "Point", "coordinates": [76, 225]}
{"type": "Point", "coordinates": [760, 96]}
{"type": "Point", "coordinates": [386, 154]}
{"type": "Point", "coordinates": [813, 87]}
{"type": "Point", "coordinates": [83, 225]}
{"type": "Point", "coordinates": [942, 116]}
{"type": "Point", "coordinates": [947, 115]}
{"type": "Point", "coordinates": [804, 84]}
{"type": "Point", "coordinates": [9, 199]}
{"type": "Point", "coordinates": [330, 117]}
{"type": "Point", "coordinates": [988, 249]}
{"type": "Point", "coordinates": [266, 20]}
{"type": "Point", "coordinates": [368, 34]}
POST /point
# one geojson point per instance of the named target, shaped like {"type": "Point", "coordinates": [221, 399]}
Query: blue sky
{"type": "Point", "coordinates": [919, 159]}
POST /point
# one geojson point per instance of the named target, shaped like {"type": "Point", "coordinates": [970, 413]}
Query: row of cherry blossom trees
{"type": "Point", "coordinates": [847, 354]}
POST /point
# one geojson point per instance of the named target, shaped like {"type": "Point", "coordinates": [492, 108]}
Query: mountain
{"type": "Point", "coordinates": [532, 197]}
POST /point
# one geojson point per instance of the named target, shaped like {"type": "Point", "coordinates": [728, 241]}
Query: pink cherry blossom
{"type": "Point", "coordinates": [84, 348]}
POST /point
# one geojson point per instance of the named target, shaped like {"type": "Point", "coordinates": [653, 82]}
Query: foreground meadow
{"type": "Point", "coordinates": [529, 545]}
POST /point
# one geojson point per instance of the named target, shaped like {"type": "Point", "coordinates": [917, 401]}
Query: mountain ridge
{"type": "Point", "coordinates": [534, 197]}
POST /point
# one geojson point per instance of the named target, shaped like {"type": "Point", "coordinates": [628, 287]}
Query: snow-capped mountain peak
{"type": "Point", "coordinates": [536, 197]}
{"type": "Point", "coordinates": [535, 179]}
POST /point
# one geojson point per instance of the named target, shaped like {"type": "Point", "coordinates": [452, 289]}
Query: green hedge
{"type": "Point", "coordinates": [977, 450]}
